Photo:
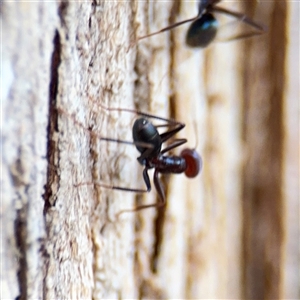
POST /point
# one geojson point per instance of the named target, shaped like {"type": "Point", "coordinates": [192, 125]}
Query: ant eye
{"type": "Point", "coordinates": [202, 31]}
{"type": "Point", "coordinates": [193, 162]}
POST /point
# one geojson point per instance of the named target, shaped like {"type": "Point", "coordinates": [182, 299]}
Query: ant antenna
{"type": "Point", "coordinates": [195, 134]}
{"type": "Point", "coordinates": [192, 155]}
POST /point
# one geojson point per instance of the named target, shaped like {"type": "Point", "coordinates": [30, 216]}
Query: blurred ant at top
{"type": "Point", "coordinates": [205, 26]}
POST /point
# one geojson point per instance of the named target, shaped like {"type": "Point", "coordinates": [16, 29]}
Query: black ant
{"type": "Point", "coordinates": [204, 27]}
{"type": "Point", "coordinates": [148, 142]}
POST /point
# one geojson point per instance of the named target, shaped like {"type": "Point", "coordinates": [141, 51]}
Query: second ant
{"type": "Point", "coordinates": [204, 27]}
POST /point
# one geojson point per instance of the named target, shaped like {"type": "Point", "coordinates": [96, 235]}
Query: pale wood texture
{"type": "Point", "coordinates": [232, 232]}
{"type": "Point", "coordinates": [26, 47]}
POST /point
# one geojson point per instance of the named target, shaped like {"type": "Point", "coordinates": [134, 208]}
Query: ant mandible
{"type": "Point", "coordinates": [148, 142]}
{"type": "Point", "coordinates": [204, 27]}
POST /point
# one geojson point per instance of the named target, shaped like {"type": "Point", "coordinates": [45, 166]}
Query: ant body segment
{"type": "Point", "coordinates": [204, 27]}
{"type": "Point", "coordinates": [149, 142]}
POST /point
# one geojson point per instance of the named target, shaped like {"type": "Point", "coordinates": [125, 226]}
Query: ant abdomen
{"type": "Point", "coordinates": [170, 164]}
{"type": "Point", "coordinates": [193, 162]}
{"type": "Point", "coordinates": [202, 31]}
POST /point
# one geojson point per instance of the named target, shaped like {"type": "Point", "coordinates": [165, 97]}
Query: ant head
{"type": "Point", "coordinates": [202, 31]}
{"type": "Point", "coordinates": [145, 136]}
{"type": "Point", "coordinates": [193, 162]}
{"type": "Point", "coordinates": [143, 130]}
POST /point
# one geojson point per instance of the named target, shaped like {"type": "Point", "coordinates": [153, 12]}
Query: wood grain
{"type": "Point", "coordinates": [232, 232]}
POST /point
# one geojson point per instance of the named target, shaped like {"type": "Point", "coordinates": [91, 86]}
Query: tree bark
{"type": "Point", "coordinates": [232, 232]}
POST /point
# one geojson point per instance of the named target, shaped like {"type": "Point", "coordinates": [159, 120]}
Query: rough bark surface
{"type": "Point", "coordinates": [232, 232]}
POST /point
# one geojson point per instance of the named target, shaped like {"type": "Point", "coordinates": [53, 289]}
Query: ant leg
{"type": "Point", "coordinates": [147, 115]}
{"type": "Point", "coordinates": [140, 159]}
{"type": "Point", "coordinates": [101, 138]}
{"type": "Point", "coordinates": [159, 189]}
{"type": "Point", "coordinates": [167, 28]}
{"type": "Point", "coordinates": [120, 188]}
{"type": "Point", "coordinates": [176, 143]}
{"type": "Point", "coordinates": [260, 28]}
{"type": "Point", "coordinates": [165, 136]}
{"type": "Point", "coordinates": [170, 122]}
{"type": "Point", "coordinates": [144, 155]}
{"type": "Point", "coordinates": [168, 134]}
{"type": "Point", "coordinates": [175, 125]}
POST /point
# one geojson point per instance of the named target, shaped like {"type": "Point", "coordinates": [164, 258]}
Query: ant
{"type": "Point", "coordinates": [148, 142]}
{"type": "Point", "coordinates": [204, 27]}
